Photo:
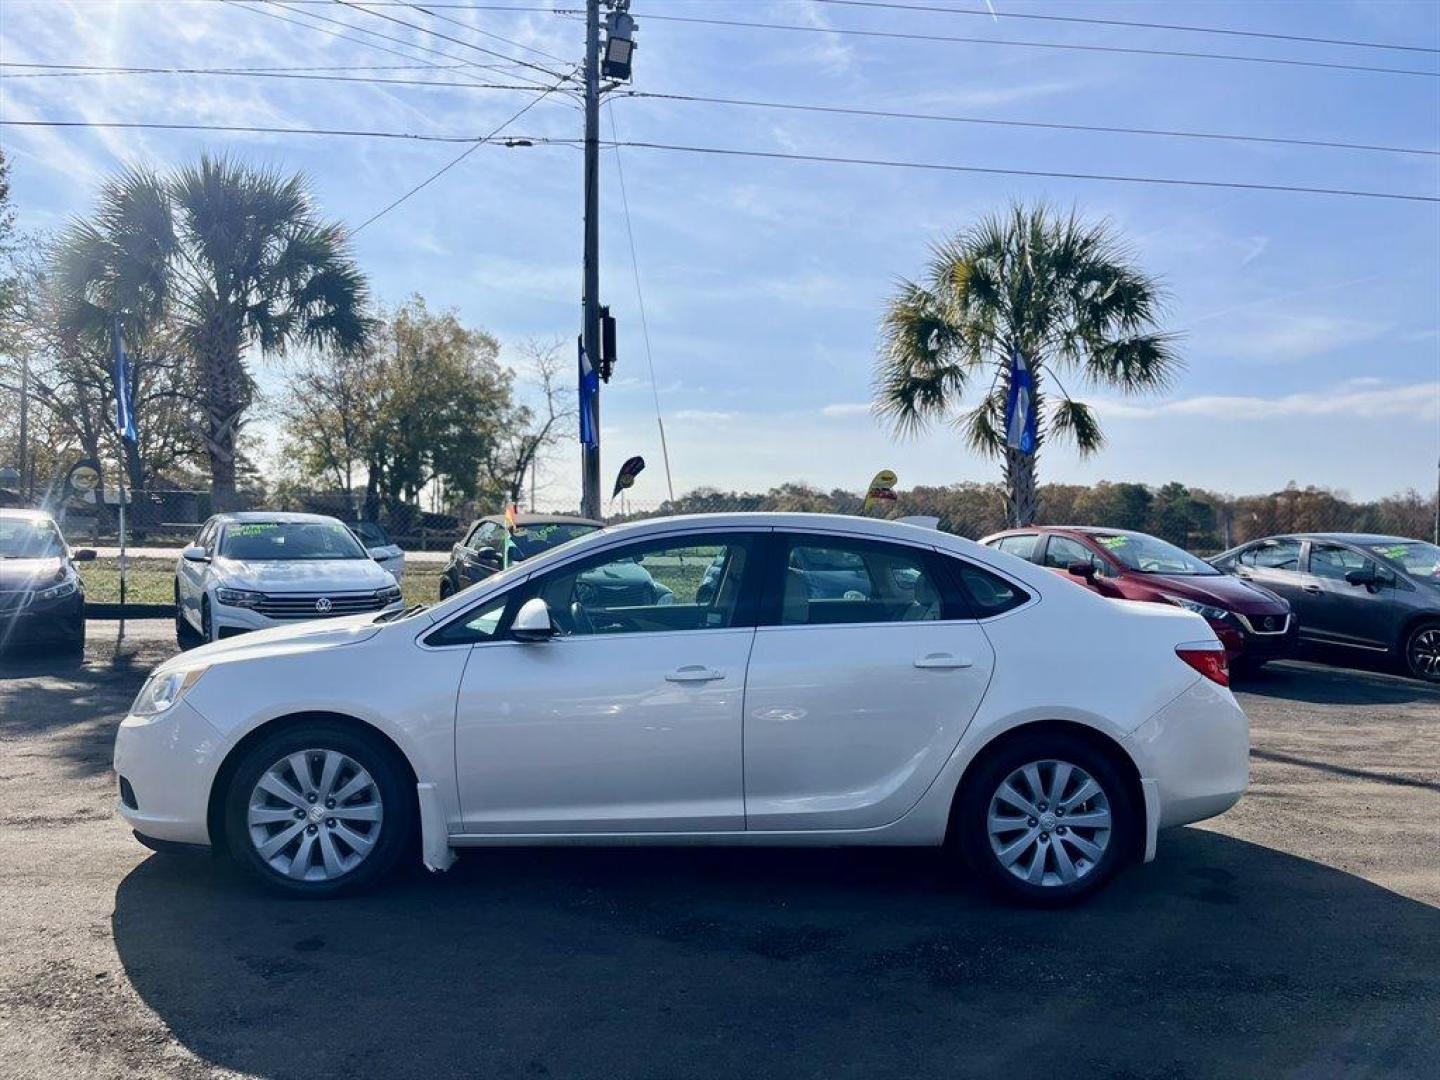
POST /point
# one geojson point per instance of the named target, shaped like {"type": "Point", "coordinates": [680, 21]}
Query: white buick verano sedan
{"type": "Point", "coordinates": [949, 695]}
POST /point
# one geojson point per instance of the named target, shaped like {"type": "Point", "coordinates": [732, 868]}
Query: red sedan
{"type": "Point", "coordinates": [1254, 624]}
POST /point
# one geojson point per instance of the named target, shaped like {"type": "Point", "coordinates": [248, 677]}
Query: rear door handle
{"type": "Point", "coordinates": [694, 673]}
{"type": "Point", "coordinates": [943, 660]}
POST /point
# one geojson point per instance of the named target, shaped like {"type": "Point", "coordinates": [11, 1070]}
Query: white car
{"type": "Point", "coordinates": [254, 570]}
{"type": "Point", "coordinates": [951, 695]}
{"type": "Point", "coordinates": [388, 554]}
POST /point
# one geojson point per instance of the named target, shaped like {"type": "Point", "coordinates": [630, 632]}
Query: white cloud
{"type": "Point", "coordinates": [1355, 399]}
{"type": "Point", "coordinates": [846, 409]}
{"type": "Point", "coordinates": [705, 417]}
{"type": "Point", "coordinates": [1289, 336]}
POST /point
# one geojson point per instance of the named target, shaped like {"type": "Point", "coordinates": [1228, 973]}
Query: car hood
{"type": "Point", "coordinates": [22, 573]}
{"type": "Point", "coordinates": [302, 576]}
{"type": "Point", "coordinates": [307, 636]}
{"type": "Point", "coordinates": [1222, 590]}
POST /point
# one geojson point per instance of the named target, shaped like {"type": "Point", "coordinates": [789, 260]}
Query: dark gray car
{"type": "Point", "coordinates": [1361, 591]}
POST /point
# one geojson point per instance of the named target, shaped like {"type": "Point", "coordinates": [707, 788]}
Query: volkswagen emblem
{"type": "Point", "coordinates": [323, 604]}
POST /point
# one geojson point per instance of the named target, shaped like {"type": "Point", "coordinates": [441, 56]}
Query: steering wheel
{"type": "Point", "coordinates": [580, 619]}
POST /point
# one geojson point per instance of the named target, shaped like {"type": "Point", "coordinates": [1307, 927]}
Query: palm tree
{"type": "Point", "coordinates": [232, 258]}
{"type": "Point", "coordinates": [1061, 295]}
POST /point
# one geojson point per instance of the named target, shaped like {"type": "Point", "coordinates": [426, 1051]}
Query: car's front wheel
{"type": "Point", "coordinates": [1422, 651]}
{"type": "Point", "coordinates": [1046, 819]}
{"type": "Point", "coordinates": [186, 635]}
{"type": "Point", "coordinates": [319, 809]}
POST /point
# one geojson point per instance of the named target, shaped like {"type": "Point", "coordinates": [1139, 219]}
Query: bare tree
{"type": "Point", "coordinates": [548, 419]}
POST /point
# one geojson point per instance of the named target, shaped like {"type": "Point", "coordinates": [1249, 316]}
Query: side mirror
{"type": "Point", "coordinates": [1364, 576]}
{"type": "Point", "coordinates": [83, 555]}
{"type": "Point", "coordinates": [490, 557]}
{"type": "Point", "coordinates": [195, 553]}
{"type": "Point", "coordinates": [532, 621]}
{"type": "Point", "coordinates": [1082, 570]}
{"type": "Point", "coordinates": [378, 556]}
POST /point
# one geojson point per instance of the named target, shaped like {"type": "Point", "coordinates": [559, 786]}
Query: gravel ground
{"type": "Point", "coordinates": [1297, 935]}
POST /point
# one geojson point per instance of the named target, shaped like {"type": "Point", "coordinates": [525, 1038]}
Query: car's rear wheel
{"type": "Point", "coordinates": [1422, 651]}
{"type": "Point", "coordinates": [319, 810]}
{"type": "Point", "coordinates": [1046, 819]}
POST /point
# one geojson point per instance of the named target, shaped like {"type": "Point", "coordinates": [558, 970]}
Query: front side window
{"type": "Point", "coordinates": [833, 581]}
{"type": "Point", "coordinates": [690, 583]}
{"type": "Point", "coordinates": [289, 541]}
{"type": "Point", "coordinates": [372, 533]}
{"type": "Point", "coordinates": [1061, 553]}
{"type": "Point", "coordinates": [1273, 555]}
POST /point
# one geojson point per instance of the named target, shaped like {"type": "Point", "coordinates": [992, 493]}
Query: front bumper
{"type": "Point", "coordinates": [167, 764]}
{"type": "Point", "coordinates": [1196, 751]}
{"type": "Point", "coordinates": [1245, 643]}
{"type": "Point", "coordinates": [230, 621]}
{"type": "Point", "coordinates": [39, 619]}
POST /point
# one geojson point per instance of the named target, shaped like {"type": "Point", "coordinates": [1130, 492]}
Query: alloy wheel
{"type": "Point", "coordinates": [315, 815]}
{"type": "Point", "coordinates": [1049, 823]}
{"type": "Point", "coordinates": [1424, 652]}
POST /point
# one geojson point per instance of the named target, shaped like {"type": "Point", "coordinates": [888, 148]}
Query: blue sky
{"type": "Point", "coordinates": [1311, 323]}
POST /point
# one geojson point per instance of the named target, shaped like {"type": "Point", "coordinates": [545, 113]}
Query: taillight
{"type": "Point", "coordinates": [1208, 662]}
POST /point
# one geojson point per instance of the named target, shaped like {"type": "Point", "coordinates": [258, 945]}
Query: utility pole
{"type": "Point", "coordinates": [24, 455]}
{"type": "Point", "coordinates": [590, 456]}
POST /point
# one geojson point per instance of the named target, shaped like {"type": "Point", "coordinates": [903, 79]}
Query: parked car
{"type": "Point", "coordinates": [1253, 624]}
{"type": "Point", "coordinates": [254, 570]}
{"type": "Point", "coordinates": [1363, 592]}
{"type": "Point", "coordinates": [41, 595]}
{"type": "Point", "coordinates": [380, 547]}
{"type": "Point", "coordinates": [482, 552]}
{"type": "Point", "coordinates": [1045, 735]}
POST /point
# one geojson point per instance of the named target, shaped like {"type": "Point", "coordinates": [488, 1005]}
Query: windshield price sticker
{"type": "Point", "coordinates": [257, 528]}
{"type": "Point", "coordinates": [1113, 542]}
{"type": "Point", "coordinates": [1393, 551]}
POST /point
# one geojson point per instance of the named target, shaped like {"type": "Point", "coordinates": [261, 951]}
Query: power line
{"type": "Point", "coordinates": [1128, 23]}
{"type": "Point", "coordinates": [260, 74]}
{"type": "Point", "coordinates": [458, 158]}
{"type": "Point", "coordinates": [260, 129]}
{"type": "Point", "coordinates": [87, 68]}
{"type": "Point", "coordinates": [1112, 49]}
{"type": "Point", "coordinates": [1106, 129]}
{"type": "Point", "coordinates": [939, 167]}
{"type": "Point", "coordinates": [458, 41]}
{"type": "Point", "coordinates": [640, 299]}
{"type": "Point", "coordinates": [483, 33]}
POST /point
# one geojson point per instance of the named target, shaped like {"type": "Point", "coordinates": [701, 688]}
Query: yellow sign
{"type": "Point", "coordinates": [881, 489]}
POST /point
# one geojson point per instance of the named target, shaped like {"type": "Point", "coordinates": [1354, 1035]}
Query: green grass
{"type": "Point", "coordinates": [152, 581]}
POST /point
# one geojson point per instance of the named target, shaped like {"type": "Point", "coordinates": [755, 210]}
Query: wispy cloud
{"type": "Point", "coordinates": [846, 409]}
{"type": "Point", "coordinates": [1288, 336]}
{"type": "Point", "coordinates": [1357, 399]}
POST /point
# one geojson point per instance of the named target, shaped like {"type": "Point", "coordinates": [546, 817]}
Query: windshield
{"type": "Point", "coordinates": [30, 540]}
{"type": "Point", "coordinates": [1151, 555]}
{"type": "Point", "coordinates": [289, 540]}
{"type": "Point", "coordinates": [1413, 556]}
{"type": "Point", "coordinates": [532, 539]}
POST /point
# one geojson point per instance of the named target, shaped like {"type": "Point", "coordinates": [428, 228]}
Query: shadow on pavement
{"type": "Point", "coordinates": [1318, 684]}
{"type": "Point", "coordinates": [1223, 959]}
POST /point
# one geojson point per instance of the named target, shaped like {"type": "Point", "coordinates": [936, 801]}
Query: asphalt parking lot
{"type": "Point", "coordinates": [1297, 935]}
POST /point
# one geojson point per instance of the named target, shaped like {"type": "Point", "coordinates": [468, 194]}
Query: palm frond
{"type": "Point", "coordinates": [922, 366]}
{"type": "Point", "coordinates": [1076, 423]}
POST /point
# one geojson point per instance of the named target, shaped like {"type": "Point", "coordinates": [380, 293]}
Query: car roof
{"type": "Point", "coordinates": [17, 514]}
{"type": "Point", "coordinates": [1338, 538]}
{"type": "Point", "coordinates": [1083, 530]}
{"type": "Point", "coordinates": [544, 519]}
{"type": "Point", "coordinates": [241, 516]}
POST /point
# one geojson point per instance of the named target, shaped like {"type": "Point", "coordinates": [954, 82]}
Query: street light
{"type": "Point", "coordinates": [619, 42]}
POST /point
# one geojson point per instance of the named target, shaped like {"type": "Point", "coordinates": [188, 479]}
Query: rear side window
{"type": "Point", "coordinates": [830, 581]}
{"type": "Point", "coordinates": [1020, 546]}
{"type": "Point", "coordinates": [988, 594]}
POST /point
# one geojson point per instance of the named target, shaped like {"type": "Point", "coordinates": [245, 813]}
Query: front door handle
{"type": "Point", "coordinates": [1312, 589]}
{"type": "Point", "coordinates": [694, 673]}
{"type": "Point", "coordinates": [943, 660]}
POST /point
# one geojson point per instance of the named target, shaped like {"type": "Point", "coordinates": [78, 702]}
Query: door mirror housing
{"type": "Point", "coordinates": [532, 621]}
{"type": "Point", "coordinates": [490, 557]}
{"type": "Point", "coordinates": [1083, 570]}
{"type": "Point", "coordinates": [195, 553]}
{"type": "Point", "coordinates": [83, 555]}
{"type": "Point", "coordinates": [1364, 576]}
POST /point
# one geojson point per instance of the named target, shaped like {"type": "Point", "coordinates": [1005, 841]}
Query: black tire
{"type": "Point", "coordinates": [447, 590]}
{"type": "Point", "coordinates": [969, 830]}
{"type": "Point", "coordinates": [1418, 656]}
{"type": "Point", "coordinates": [72, 640]}
{"type": "Point", "coordinates": [186, 636]}
{"type": "Point", "coordinates": [207, 625]}
{"type": "Point", "coordinates": [396, 831]}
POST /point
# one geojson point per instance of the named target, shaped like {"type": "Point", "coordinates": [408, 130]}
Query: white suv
{"type": "Point", "coordinates": [250, 571]}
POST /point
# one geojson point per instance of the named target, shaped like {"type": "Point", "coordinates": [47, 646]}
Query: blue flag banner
{"type": "Point", "coordinates": [1020, 418]}
{"type": "Point", "coordinates": [589, 390]}
{"type": "Point", "coordinates": [124, 407]}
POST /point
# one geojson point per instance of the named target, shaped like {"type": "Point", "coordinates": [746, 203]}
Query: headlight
{"type": "Point", "coordinates": [239, 597]}
{"type": "Point", "coordinates": [388, 596]}
{"type": "Point", "coordinates": [162, 691]}
{"type": "Point", "coordinates": [1203, 610]}
{"type": "Point", "coordinates": [58, 591]}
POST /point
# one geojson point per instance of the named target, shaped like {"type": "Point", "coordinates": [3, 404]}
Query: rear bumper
{"type": "Point", "coordinates": [1196, 750]}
